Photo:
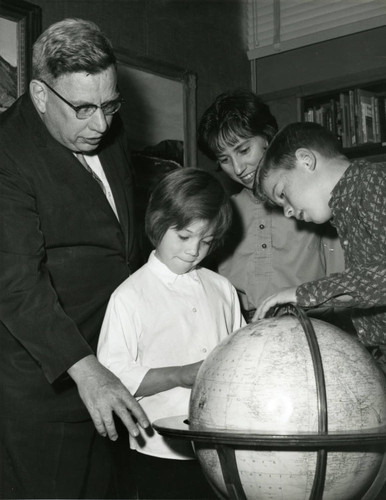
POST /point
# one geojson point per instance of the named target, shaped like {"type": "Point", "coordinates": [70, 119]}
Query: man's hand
{"type": "Point", "coordinates": [285, 296]}
{"type": "Point", "coordinates": [104, 394]}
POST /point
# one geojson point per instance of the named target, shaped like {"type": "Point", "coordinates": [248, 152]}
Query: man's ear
{"type": "Point", "coordinates": [38, 94]}
{"type": "Point", "coordinates": [306, 158]}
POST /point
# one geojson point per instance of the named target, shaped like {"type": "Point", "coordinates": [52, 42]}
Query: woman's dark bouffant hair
{"type": "Point", "coordinates": [233, 115]}
{"type": "Point", "coordinates": [183, 197]}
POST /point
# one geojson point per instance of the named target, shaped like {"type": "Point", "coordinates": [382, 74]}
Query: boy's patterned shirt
{"type": "Point", "coordinates": [358, 205]}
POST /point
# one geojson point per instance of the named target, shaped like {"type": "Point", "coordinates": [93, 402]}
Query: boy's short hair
{"type": "Point", "coordinates": [71, 46]}
{"type": "Point", "coordinates": [281, 152]}
{"type": "Point", "coordinates": [233, 115]}
{"type": "Point", "coordinates": [184, 196]}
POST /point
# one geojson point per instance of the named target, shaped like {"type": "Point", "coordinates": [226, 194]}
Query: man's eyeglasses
{"type": "Point", "coordinates": [86, 110]}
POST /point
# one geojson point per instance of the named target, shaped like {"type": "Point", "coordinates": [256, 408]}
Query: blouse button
{"type": "Point", "coordinates": [204, 349]}
{"type": "Point", "coordinates": [261, 226]}
{"type": "Point", "coordinates": [264, 245]}
{"type": "Point", "coordinates": [194, 309]}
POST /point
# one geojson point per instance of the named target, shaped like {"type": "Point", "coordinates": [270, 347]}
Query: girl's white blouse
{"type": "Point", "coordinates": [157, 318]}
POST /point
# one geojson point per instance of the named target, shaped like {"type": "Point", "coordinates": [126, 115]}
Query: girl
{"type": "Point", "coordinates": [163, 321]}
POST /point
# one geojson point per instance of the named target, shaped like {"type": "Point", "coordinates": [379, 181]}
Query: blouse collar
{"type": "Point", "coordinates": [166, 274]}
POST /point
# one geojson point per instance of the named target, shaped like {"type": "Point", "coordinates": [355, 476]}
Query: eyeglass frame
{"type": "Point", "coordinates": [119, 101]}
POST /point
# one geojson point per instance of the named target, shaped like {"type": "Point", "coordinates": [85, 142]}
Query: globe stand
{"type": "Point", "coordinates": [226, 442]}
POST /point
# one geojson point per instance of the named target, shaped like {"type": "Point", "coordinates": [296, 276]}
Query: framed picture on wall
{"type": "Point", "coordinates": [20, 25]}
{"type": "Point", "coordinates": [160, 104]}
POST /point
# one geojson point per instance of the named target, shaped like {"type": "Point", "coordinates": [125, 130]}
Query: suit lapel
{"type": "Point", "coordinates": [71, 170]}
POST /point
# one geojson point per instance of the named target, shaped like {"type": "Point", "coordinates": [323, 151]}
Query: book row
{"type": "Point", "coordinates": [356, 117]}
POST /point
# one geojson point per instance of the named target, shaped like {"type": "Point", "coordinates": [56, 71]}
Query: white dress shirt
{"type": "Point", "coordinates": [157, 318]}
{"type": "Point", "coordinates": [94, 163]}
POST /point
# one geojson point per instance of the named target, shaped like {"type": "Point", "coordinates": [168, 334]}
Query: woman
{"type": "Point", "coordinates": [266, 251]}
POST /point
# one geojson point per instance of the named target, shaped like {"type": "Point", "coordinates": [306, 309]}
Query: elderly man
{"type": "Point", "coordinates": [66, 242]}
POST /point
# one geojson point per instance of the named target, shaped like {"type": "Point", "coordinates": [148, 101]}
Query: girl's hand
{"type": "Point", "coordinates": [187, 374]}
{"type": "Point", "coordinates": [162, 379]}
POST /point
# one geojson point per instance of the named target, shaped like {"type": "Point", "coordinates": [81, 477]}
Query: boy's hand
{"type": "Point", "coordinates": [285, 296]}
{"type": "Point", "coordinates": [188, 374]}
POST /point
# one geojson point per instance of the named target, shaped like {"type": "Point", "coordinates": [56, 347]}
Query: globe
{"type": "Point", "coordinates": [261, 380]}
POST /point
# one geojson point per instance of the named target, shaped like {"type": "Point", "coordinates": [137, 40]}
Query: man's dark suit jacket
{"type": "Point", "coordinates": [62, 253]}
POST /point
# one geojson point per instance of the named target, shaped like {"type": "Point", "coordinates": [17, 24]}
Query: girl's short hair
{"type": "Point", "coordinates": [233, 115]}
{"type": "Point", "coordinates": [184, 196]}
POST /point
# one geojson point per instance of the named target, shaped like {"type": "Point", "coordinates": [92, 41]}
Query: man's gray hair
{"type": "Point", "coordinates": [71, 46]}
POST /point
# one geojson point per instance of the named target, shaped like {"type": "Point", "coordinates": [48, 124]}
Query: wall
{"type": "Point", "coordinates": [345, 61]}
{"type": "Point", "coordinates": [203, 36]}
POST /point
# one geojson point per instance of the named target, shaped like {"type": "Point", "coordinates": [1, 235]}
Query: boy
{"type": "Point", "coordinates": [305, 173]}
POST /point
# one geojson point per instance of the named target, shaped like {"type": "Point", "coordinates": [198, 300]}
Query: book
{"type": "Point", "coordinates": [366, 115]}
{"type": "Point", "coordinates": [333, 116]}
{"type": "Point", "coordinates": [345, 113]}
{"type": "Point", "coordinates": [353, 119]}
{"type": "Point", "coordinates": [376, 123]}
{"type": "Point", "coordinates": [382, 119]}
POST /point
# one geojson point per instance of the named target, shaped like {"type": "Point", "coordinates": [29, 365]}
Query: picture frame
{"type": "Point", "coordinates": [20, 25]}
{"type": "Point", "coordinates": [160, 103]}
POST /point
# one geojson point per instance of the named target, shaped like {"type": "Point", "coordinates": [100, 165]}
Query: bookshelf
{"type": "Point", "coordinates": [355, 114]}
